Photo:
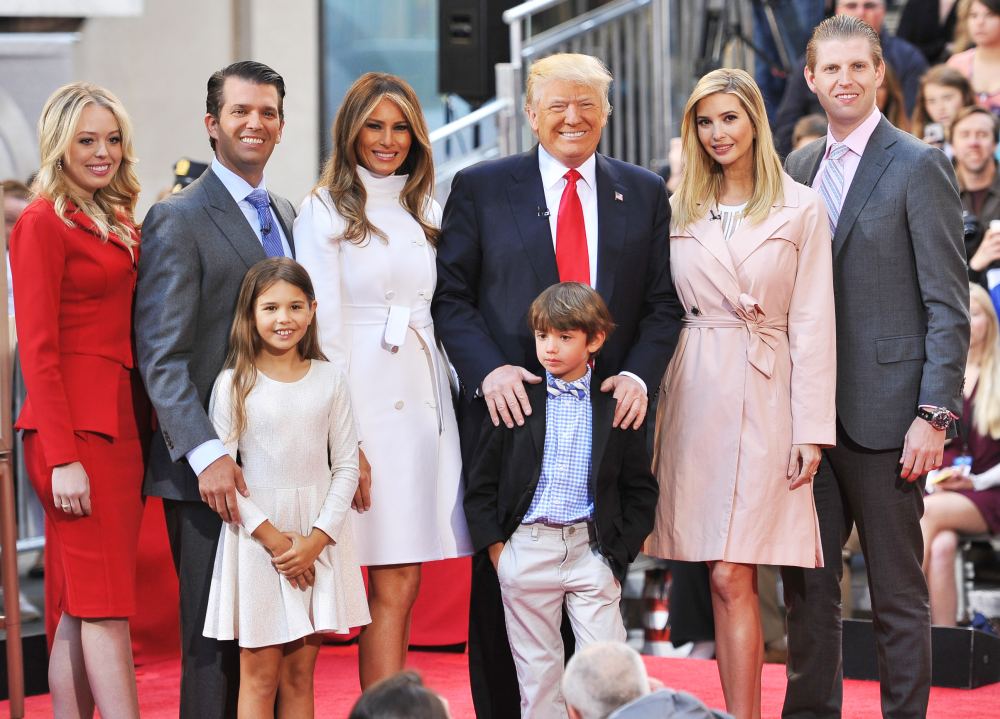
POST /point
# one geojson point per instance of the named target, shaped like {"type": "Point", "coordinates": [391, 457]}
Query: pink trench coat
{"type": "Point", "coordinates": [754, 372]}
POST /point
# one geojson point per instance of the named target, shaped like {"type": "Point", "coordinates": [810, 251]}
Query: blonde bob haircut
{"type": "Point", "coordinates": [568, 67]}
{"type": "Point", "coordinates": [340, 174]}
{"type": "Point", "coordinates": [112, 209]}
{"type": "Point", "coordinates": [701, 183]}
{"type": "Point", "coordinates": [986, 409]}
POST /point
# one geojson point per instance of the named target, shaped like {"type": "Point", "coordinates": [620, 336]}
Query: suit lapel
{"type": "Point", "coordinates": [286, 217]}
{"type": "Point", "coordinates": [603, 409]}
{"type": "Point", "coordinates": [873, 163]}
{"type": "Point", "coordinates": [230, 220]}
{"type": "Point", "coordinates": [527, 207]}
{"type": "Point", "coordinates": [709, 234]}
{"type": "Point", "coordinates": [538, 398]}
{"type": "Point", "coordinates": [612, 226]}
{"type": "Point", "coordinates": [817, 160]}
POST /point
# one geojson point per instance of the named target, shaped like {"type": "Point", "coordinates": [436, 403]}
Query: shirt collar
{"type": "Point", "coordinates": [552, 170]}
{"type": "Point", "coordinates": [236, 185]}
{"type": "Point", "coordinates": [857, 141]}
{"type": "Point", "coordinates": [580, 381]}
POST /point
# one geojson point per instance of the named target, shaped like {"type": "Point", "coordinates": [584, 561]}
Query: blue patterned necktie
{"type": "Point", "coordinates": [831, 187]}
{"type": "Point", "coordinates": [556, 387]}
{"type": "Point", "coordinates": [268, 231]}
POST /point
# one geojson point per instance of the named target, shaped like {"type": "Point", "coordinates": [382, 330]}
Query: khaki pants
{"type": "Point", "coordinates": [540, 568]}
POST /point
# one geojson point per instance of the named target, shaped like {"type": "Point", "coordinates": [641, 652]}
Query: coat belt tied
{"type": "Point", "coordinates": [763, 335]}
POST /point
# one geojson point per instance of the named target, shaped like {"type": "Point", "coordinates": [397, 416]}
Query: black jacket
{"type": "Point", "coordinates": [507, 464]}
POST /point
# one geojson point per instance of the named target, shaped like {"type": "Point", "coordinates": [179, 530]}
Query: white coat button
{"type": "Point", "coordinates": [389, 294]}
{"type": "Point", "coordinates": [394, 349]}
{"type": "Point", "coordinates": [399, 404]}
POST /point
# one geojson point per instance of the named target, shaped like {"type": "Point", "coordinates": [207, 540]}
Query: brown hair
{"type": "Point", "coordinates": [813, 125]}
{"type": "Point", "coordinates": [255, 72]}
{"type": "Point", "coordinates": [570, 306]}
{"type": "Point", "coordinates": [843, 27]}
{"type": "Point", "coordinates": [944, 76]}
{"type": "Point", "coordinates": [895, 108]}
{"type": "Point", "coordinates": [340, 174]}
{"type": "Point", "coordinates": [245, 343]}
{"type": "Point", "coordinates": [15, 188]}
{"type": "Point", "coordinates": [970, 110]}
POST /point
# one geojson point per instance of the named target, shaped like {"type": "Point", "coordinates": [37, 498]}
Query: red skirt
{"type": "Point", "coordinates": [97, 553]}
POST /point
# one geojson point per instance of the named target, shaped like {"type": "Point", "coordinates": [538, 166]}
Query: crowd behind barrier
{"type": "Point", "coordinates": [468, 410]}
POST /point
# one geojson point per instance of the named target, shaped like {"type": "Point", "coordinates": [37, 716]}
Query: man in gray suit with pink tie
{"type": "Point", "coordinates": [902, 302]}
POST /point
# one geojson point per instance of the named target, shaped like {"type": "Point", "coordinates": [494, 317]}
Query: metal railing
{"type": "Point", "coordinates": [630, 36]}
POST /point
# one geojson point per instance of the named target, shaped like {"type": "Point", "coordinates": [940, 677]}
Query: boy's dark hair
{"type": "Point", "coordinates": [401, 696]}
{"type": "Point", "coordinates": [249, 70]}
{"type": "Point", "coordinates": [570, 306]}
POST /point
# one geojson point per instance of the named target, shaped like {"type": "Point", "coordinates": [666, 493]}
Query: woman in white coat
{"type": "Point", "coordinates": [366, 235]}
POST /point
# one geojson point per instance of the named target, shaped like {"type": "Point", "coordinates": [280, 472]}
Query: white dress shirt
{"type": "Point", "coordinates": [554, 182]}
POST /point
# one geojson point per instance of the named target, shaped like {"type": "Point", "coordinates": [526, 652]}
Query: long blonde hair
{"type": "Point", "coordinates": [702, 180]}
{"type": "Point", "coordinates": [340, 174]}
{"type": "Point", "coordinates": [112, 209]}
{"type": "Point", "coordinates": [986, 408]}
{"type": "Point", "coordinates": [245, 342]}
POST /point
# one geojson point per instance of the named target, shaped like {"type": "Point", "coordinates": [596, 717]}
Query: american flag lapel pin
{"type": "Point", "coordinates": [619, 197]}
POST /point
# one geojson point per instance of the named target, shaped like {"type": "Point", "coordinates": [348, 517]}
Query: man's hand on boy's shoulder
{"type": "Point", "coordinates": [632, 400]}
{"type": "Point", "coordinates": [506, 400]}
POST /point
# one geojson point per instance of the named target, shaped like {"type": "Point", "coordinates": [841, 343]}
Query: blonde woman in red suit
{"type": "Point", "coordinates": [73, 256]}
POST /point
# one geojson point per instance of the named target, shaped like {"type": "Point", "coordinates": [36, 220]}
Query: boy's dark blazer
{"type": "Point", "coordinates": [508, 463]}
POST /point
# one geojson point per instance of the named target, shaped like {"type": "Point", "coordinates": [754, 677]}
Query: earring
{"type": "Point", "coordinates": [59, 164]}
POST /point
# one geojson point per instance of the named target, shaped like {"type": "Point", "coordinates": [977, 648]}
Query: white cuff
{"type": "Point", "coordinates": [637, 378]}
{"type": "Point", "coordinates": [204, 454]}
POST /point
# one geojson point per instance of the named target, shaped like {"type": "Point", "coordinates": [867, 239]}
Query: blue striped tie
{"type": "Point", "coordinates": [268, 229]}
{"type": "Point", "coordinates": [831, 187]}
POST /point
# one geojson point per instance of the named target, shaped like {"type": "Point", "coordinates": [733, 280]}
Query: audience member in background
{"type": "Point", "coordinates": [966, 490]}
{"type": "Point", "coordinates": [742, 226]}
{"type": "Point", "coordinates": [930, 26]}
{"type": "Point", "coordinates": [400, 696]}
{"type": "Point", "coordinates": [974, 135]}
{"type": "Point", "coordinates": [16, 197]}
{"type": "Point", "coordinates": [795, 20]}
{"type": "Point", "coordinates": [601, 678]}
{"type": "Point", "coordinates": [906, 60]}
{"type": "Point", "coordinates": [73, 255]}
{"type": "Point", "coordinates": [608, 680]}
{"type": "Point", "coordinates": [367, 235]}
{"type": "Point", "coordinates": [890, 101]}
{"type": "Point", "coordinates": [981, 64]}
{"type": "Point", "coordinates": [808, 128]}
{"type": "Point", "coordinates": [943, 92]}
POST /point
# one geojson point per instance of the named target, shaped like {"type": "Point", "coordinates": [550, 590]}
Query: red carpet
{"type": "Point", "coordinates": [337, 689]}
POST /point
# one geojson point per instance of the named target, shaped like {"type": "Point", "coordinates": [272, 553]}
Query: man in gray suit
{"type": "Point", "coordinates": [902, 337]}
{"type": "Point", "coordinates": [196, 247]}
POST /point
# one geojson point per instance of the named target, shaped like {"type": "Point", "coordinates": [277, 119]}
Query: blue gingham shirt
{"type": "Point", "coordinates": [563, 492]}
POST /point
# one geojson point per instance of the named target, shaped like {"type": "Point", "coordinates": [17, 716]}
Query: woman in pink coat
{"type": "Point", "coordinates": [748, 398]}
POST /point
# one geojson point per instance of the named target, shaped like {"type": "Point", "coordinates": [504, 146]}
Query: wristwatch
{"type": "Point", "coordinates": [940, 418]}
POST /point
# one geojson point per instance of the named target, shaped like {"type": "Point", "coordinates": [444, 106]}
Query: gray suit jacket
{"type": "Point", "coordinates": [196, 247]}
{"type": "Point", "coordinates": [901, 286]}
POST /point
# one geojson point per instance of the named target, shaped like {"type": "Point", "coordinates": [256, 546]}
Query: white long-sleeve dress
{"type": "Point", "coordinates": [374, 319]}
{"type": "Point", "coordinates": [300, 463]}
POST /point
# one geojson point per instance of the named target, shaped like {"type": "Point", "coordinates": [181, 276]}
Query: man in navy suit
{"type": "Point", "coordinates": [513, 227]}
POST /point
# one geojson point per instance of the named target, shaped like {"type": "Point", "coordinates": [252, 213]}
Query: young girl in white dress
{"type": "Point", "coordinates": [288, 571]}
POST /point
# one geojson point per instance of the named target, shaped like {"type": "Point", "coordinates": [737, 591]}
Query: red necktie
{"type": "Point", "coordinates": [571, 235]}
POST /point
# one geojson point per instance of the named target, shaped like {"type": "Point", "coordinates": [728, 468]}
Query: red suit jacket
{"type": "Point", "coordinates": [73, 294]}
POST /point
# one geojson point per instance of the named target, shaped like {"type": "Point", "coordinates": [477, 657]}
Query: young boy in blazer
{"type": "Point", "coordinates": [562, 503]}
